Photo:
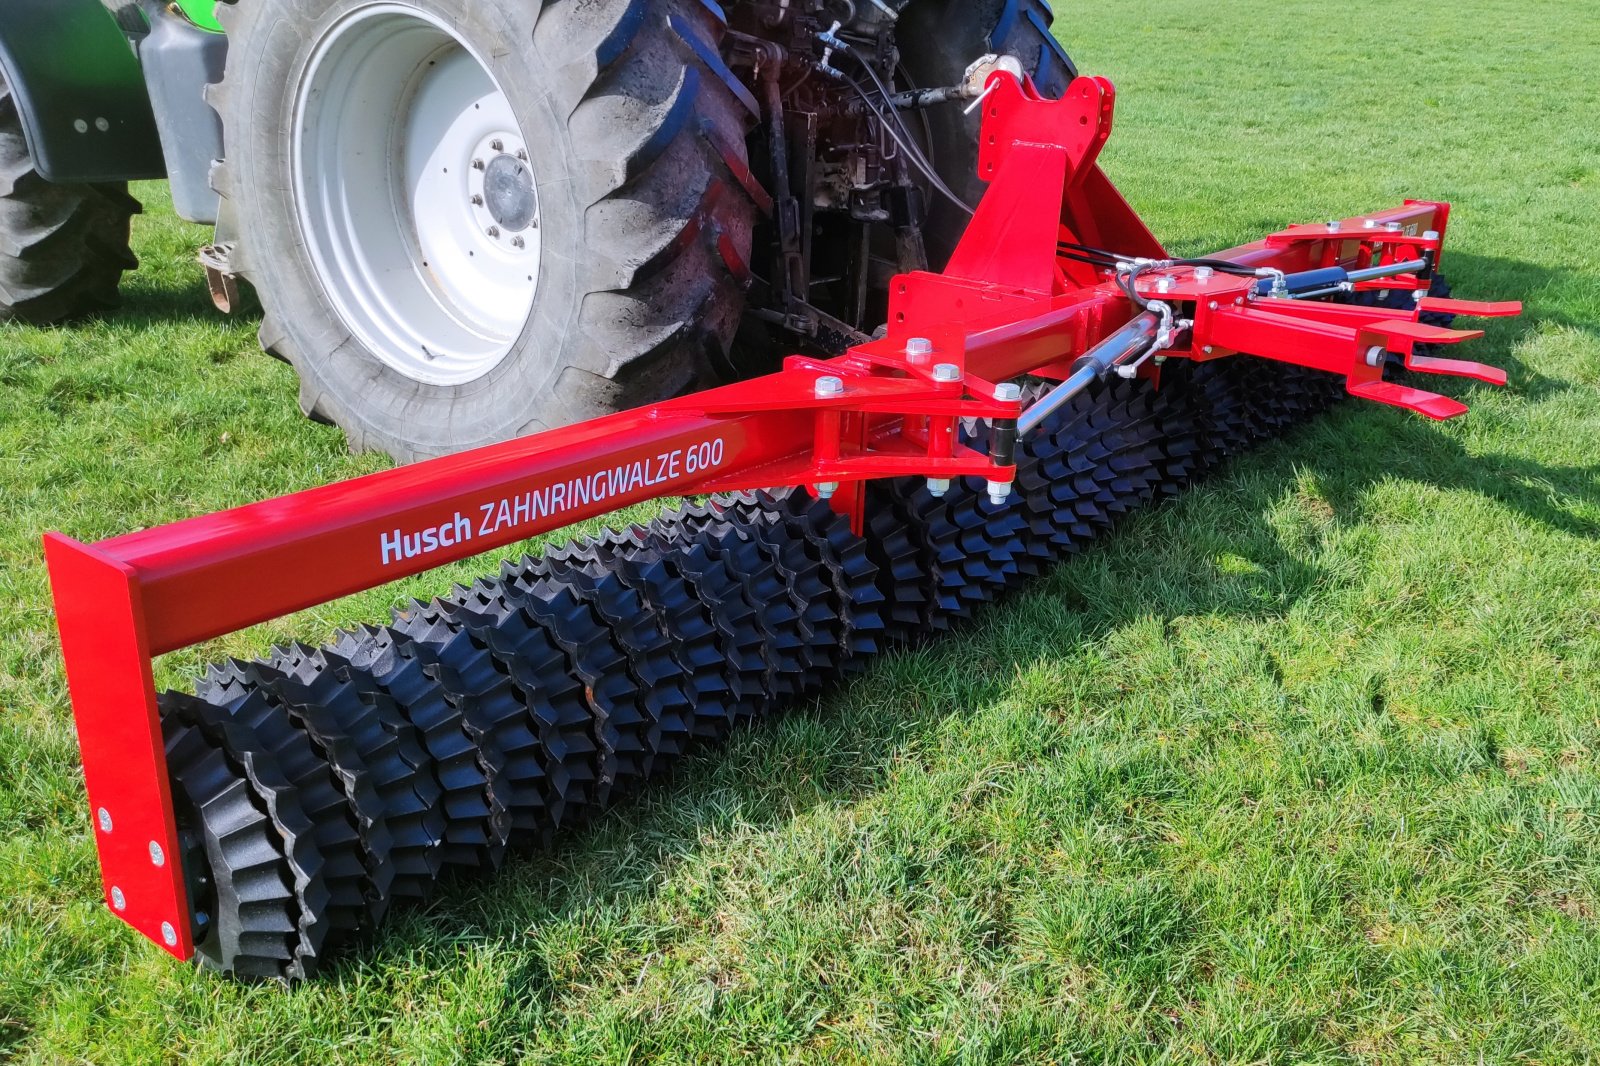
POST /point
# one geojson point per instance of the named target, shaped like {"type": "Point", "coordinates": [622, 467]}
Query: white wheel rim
{"type": "Point", "coordinates": [415, 194]}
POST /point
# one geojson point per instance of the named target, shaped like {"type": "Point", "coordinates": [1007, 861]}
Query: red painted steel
{"type": "Point", "coordinates": [100, 613]}
{"type": "Point", "coordinates": [1009, 304]}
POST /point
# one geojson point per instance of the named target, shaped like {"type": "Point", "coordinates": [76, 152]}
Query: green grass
{"type": "Point", "coordinates": [1301, 769]}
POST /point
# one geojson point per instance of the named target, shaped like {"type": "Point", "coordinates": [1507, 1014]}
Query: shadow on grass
{"type": "Point", "coordinates": [1522, 485]}
{"type": "Point", "coordinates": [170, 303]}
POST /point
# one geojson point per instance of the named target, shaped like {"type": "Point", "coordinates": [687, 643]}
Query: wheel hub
{"type": "Point", "coordinates": [508, 193]}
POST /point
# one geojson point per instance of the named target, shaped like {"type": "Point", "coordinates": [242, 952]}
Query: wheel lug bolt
{"type": "Point", "coordinates": [477, 164]}
{"type": "Point", "coordinates": [494, 231]}
{"type": "Point", "coordinates": [517, 242]}
{"type": "Point", "coordinates": [522, 154]}
{"type": "Point", "coordinates": [497, 145]}
{"type": "Point", "coordinates": [477, 201]}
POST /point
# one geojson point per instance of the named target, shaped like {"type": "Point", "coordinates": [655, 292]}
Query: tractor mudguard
{"type": "Point", "coordinates": [84, 108]}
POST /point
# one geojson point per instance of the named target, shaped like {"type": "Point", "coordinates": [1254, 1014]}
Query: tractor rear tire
{"type": "Point", "coordinates": [940, 38]}
{"type": "Point", "coordinates": [63, 248]}
{"type": "Point", "coordinates": [623, 136]}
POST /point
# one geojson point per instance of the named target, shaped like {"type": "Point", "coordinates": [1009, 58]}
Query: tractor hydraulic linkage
{"type": "Point", "coordinates": [1057, 281]}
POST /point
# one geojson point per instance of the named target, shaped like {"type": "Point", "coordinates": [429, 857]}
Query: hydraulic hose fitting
{"type": "Point", "coordinates": [831, 43]}
{"type": "Point", "coordinates": [1280, 283]}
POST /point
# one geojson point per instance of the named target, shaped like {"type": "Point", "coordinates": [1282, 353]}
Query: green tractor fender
{"type": "Point", "coordinates": [79, 92]}
{"type": "Point", "coordinates": [202, 13]}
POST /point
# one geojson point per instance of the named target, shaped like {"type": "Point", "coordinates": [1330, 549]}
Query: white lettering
{"type": "Point", "coordinates": [519, 512]}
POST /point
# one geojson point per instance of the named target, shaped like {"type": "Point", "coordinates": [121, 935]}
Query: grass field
{"type": "Point", "coordinates": [1301, 769]}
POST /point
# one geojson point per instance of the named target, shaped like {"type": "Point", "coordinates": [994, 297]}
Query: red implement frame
{"type": "Point", "coordinates": [1008, 304]}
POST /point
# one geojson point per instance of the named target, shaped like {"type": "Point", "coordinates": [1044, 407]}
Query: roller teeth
{"type": "Point", "coordinates": [311, 724]}
{"type": "Point", "coordinates": [320, 784]}
{"type": "Point", "coordinates": [307, 813]}
{"type": "Point", "coordinates": [656, 679]}
{"type": "Point", "coordinates": [620, 726]}
{"type": "Point", "coordinates": [476, 679]}
{"type": "Point", "coordinates": [553, 746]}
{"type": "Point", "coordinates": [808, 584]}
{"type": "Point", "coordinates": [683, 629]}
{"type": "Point", "coordinates": [262, 901]}
{"type": "Point", "coordinates": [397, 765]}
{"type": "Point", "coordinates": [408, 673]}
{"type": "Point", "coordinates": [719, 591]}
{"type": "Point", "coordinates": [771, 616]}
{"type": "Point", "coordinates": [849, 573]}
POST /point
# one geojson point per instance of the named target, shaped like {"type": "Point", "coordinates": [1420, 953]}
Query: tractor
{"type": "Point", "coordinates": [468, 220]}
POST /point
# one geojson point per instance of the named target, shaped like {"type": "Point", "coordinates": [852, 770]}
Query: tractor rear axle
{"type": "Point", "coordinates": [355, 772]}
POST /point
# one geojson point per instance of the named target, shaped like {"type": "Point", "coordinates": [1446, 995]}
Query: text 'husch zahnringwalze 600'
{"type": "Point", "coordinates": [1060, 372]}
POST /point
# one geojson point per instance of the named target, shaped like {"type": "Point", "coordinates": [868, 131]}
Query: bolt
{"type": "Point", "coordinates": [918, 349]}
{"type": "Point", "coordinates": [1163, 284]}
{"type": "Point", "coordinates": [1213, 305]}
{"type": "Point", "coordinates": [938, 486]}
{"type": "Point", "coordinates": [1203, 273]}
{"type": "Point", "coordinates": [1206, 349]}
{"type": "Point", "coordinates": [947, 373]}
{"type": "Point", "coordinates": [1419, 295]}
{"type": "Point", "coordinates": [157, 856]}
{"type": "Point", "coordinates": [826, 489]}
{"type": "Point", "coordinates": [102, 125]}
{"type": "Point", "coordinates": [1239, 302]}
{"type": "Point", "coordinates": [1431, 235]}
{"type": "Point", "coordinates": [103, 816]}
{"type": "Point", "coordinates": [829, 386]}
{"type": "Point", "coordinates": [1334, 225]}
{"type": "Point", "coordinates": [1376, 355]}
{"type": "Point", "coordinates": [1393, 227]}
{"type": "Point", "coordinates": [518, 243]}
{"type": "Point", "coordinates": [497, 145]}
{"type": "Point", "coordinates": [477, 164]}
{"type": "Point", "coordinates": [999, 492]}
{"type": "Point", "coordinates": [80, 125]}
{"type": "Point", "coordinates": [477, 201]}
{"type": "Point", "coordinates": [1008, 392]}
{"type": "Point", "coordinates": [169, 935]}
{"type": "Point", "coordinates": [522, 154]}
{"type": "Point", "coordinates": [493, 231]}
{"type": "Point", "coordinates": [118, 900]}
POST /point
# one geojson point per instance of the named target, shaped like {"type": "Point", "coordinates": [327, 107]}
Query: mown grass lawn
{"type": "Point", "coordinates": [1301, 769]}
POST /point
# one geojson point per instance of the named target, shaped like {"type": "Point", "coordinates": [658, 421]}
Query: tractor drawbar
{"type": "Point", "coordinates": [1062, 372]}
